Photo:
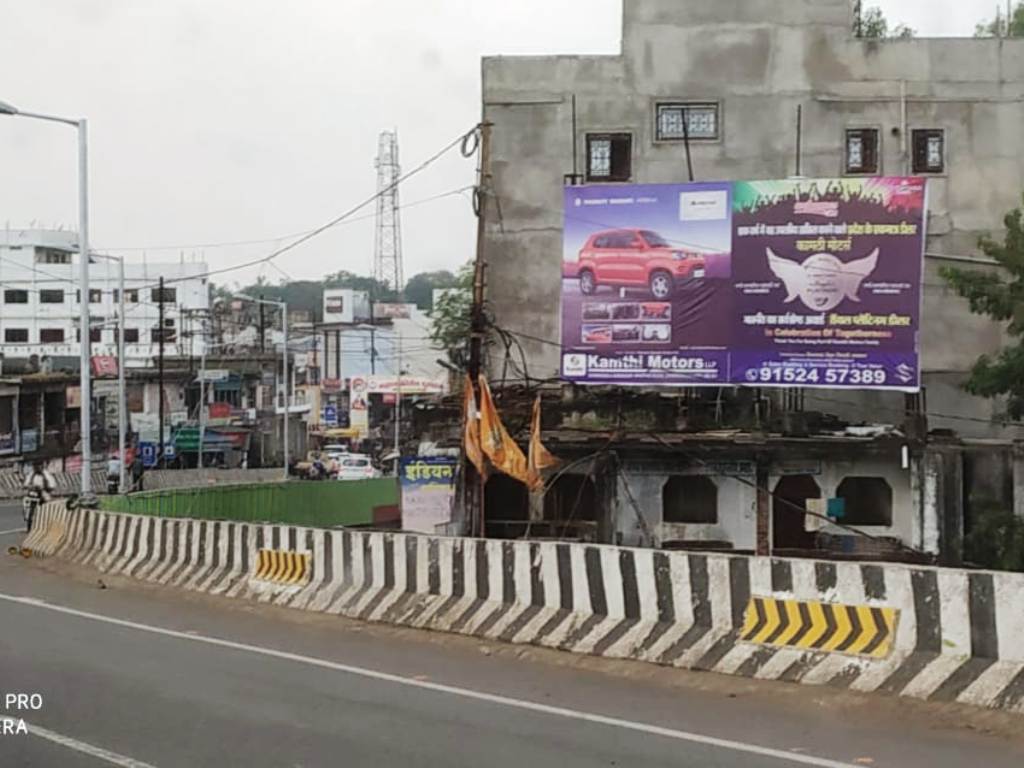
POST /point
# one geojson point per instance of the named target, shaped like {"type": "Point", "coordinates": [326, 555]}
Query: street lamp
{"type": "Point", "coordinates": [284, 369]}
{"type": "Point", "coordinates": [83, 255]}
{"type": "Point", "coordinates": [122, 400]}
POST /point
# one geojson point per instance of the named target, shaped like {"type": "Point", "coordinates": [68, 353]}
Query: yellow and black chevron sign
{"type": "Point", "coordinates": [282, 567]}
{"type": "Point", "coordinates": [863, 630]}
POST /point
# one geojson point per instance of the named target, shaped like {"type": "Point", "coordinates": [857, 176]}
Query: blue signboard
{"type": "Point", "coordinates": [331, 415]}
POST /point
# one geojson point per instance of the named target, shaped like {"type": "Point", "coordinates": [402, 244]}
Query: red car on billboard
{"type": "Point", "coordinates": [631, 258]}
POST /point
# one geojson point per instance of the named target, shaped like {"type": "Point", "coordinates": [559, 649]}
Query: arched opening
{"type": "Point", "coordinates": [867, 501]}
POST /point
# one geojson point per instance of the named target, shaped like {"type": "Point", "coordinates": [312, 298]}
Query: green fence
{"type": "Point", "coordinates": [319, 504]}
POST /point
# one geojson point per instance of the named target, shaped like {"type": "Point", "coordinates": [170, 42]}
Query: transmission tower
{"type": "Point", "coordinates": [387, 252]}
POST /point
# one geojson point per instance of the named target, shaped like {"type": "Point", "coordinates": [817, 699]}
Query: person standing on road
{"type": "Point", "coordinates": [39, 486]}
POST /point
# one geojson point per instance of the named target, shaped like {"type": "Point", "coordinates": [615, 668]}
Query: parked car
{"type": "Point", "coordinates": [356, 466]}
{"type": "Point", "coordinates": [636, 258]}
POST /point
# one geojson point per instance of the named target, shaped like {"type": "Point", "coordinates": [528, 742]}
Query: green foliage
{"type": "Point", "coordinates": [872, 24]}
{"type": "Point", "coordinates": [1000, 295]}
{"type": "Point", "coordinates": [451, 316]}
{"type": "Point", "coordinates": [996, 539]}
{"type": "Point", "coordinates": [420, 288]}
{"type": "Point", "coordinates": [998, 26]}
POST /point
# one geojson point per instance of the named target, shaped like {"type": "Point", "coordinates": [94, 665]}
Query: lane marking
{"type": "Point", "coordinates": [466, 693]}
{"type": "Point", "coordinates": [80, 746]}
{"type": "Point", "coordinates": [13, 530]}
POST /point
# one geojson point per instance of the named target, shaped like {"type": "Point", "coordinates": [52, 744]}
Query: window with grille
{"type": "Point", "coordinates": [51, 296]}
{"type": "Point", "coordinates": [929, 147]}
{"type": "Point", "coordinates": [15, 297]}
{"type": "Point", "coordinates": [862, 150]}
{"type": "Point", "coordinates": [16, 335]}
{"type": "Point", "coordinates": [609, 156]}
{"type": "Point", "coordinates": [131, 335]}
{"type": "Point", "coordinates": [95, 335]}
{"type": "Point", "coordinates": [51, 335]}
{"type": "Point", "coordinates": [697, 121]}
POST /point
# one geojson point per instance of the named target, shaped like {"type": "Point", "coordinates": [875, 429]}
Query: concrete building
{"type": "Point", "coordinates": [40, 304]}
{"type": "Point", "coordinates": [948, 109]}
{"type": "Point", "coordinates": [738, 72]}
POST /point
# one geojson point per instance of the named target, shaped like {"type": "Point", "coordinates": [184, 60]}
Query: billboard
{"type": "Point", "coordinates": [803, 282]}
{"type": "Point", "coordinates": [344, 305]}
{"type": "Point", "coordinates": [428, 487]}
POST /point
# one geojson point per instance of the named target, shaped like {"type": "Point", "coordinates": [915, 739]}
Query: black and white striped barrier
{"type": "Point", "coordinates": [942, 634]}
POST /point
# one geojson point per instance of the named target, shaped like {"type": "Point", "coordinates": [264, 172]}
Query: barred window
{"type": "Point", "coordinates": [694, 120]}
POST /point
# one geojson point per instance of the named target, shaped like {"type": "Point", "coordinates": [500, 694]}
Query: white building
{"type": "Point", "coordinates": [40, 302]}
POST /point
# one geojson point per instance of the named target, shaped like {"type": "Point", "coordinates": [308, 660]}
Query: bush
{"type": "Point", "coordinates": [996, 539]}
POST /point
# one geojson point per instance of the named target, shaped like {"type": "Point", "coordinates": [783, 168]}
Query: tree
{"type": "Point", "coordinates": [1000, 295]}
{"type": "Point", "coordinates": [998, 27]}
{"type": "Point", "coordinates": [871, 23]}
{"type": "Point", "coordinates": [450, 316]}
{"type": "Point", "coordinates": [420, 288]}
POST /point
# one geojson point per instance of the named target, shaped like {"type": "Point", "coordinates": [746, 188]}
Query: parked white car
{"type": "Point", "coordinates": [356, 466]}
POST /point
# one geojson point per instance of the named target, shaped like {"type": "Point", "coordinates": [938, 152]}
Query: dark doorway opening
{"type": "Point", "coordinates": [789, 503]}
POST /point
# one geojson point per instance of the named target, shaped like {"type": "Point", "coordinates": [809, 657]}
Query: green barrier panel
{"type": "Point", "coordinates": [316, 504]}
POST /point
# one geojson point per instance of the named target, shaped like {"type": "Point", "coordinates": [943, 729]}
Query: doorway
{"type": "Point", "coordinates": [789, 504]}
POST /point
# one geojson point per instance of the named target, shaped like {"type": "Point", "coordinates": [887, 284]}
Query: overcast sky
{"type": "Point", "coordinates": [217, 121]}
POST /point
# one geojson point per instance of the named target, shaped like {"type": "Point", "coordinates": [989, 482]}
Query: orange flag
{"type": "Point", "coordinates": [471, 431]}
{"type": "Point", "coordinates": [499, 446]}
{"type": "Point", "coordinates": [540, 458]}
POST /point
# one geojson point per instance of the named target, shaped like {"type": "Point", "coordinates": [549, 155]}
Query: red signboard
{"type": "Point", "coordinates": [330, 385]}
{"type": "Point", "coordinates": [104, 365]}
{"type": "Point", "coordinates": [220, 410]}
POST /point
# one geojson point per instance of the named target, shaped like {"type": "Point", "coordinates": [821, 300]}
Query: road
{"type": "Point", "coordinates": [137, 676]}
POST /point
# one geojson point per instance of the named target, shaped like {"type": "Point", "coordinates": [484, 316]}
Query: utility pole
{"type": "Point", "coordinates": [122, 398]}
{"type": "Point", "coordinates": [263, 327]}
{"type": "Point", "coordinates": [202, 396]}
{"type": "Point", "coordinates": [398, 409]}
{"type": "Point", "coordinates": [477, 321]}
{"type": "Point", "coordinates": [160, 366]}
{"type": "Point", "coordinates": [373, 340]}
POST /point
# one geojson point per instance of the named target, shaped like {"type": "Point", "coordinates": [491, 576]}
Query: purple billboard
{"type": "Point", "coordinates": [810, 283]}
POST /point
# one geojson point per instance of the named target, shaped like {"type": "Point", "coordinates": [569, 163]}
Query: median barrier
{"type": "Point", "coordinates": [932, 633]}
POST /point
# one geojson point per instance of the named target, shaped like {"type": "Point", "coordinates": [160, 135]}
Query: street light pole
{"type": "Point", "coordinates": [286, 377]}
{"type": "Point", "coordinates": [122, 399]}
{"type": "Point", "coordinates": [85, 346]}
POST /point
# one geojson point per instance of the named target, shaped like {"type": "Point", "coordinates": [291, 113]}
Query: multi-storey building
{"type": "Point", "coordinates": [40, 304]}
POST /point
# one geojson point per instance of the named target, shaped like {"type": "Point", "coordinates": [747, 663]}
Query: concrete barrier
{"type": "Point", "coordinates": [48, 531]}
{"type": "Point", "coordinates": [946, 635]}
{"type": "Point", "coordinates": [67, 483]}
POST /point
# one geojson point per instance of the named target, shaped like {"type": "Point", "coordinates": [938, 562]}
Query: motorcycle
{"type": "Point", "coordinates": [30, 503]}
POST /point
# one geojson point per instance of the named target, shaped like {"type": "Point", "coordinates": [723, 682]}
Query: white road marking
{"type": "Point", "coordinates": [13, 530]}
{"type": "Point", "coordinates": [467, 693]}
{"type": "Point", "coordinates": [80, 746]}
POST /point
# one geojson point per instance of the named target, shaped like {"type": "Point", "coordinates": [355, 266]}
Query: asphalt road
{"type": "Point", "coordinates": [137, 676]}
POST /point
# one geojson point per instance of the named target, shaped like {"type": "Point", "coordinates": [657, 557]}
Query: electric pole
{"type": "Point", "coordinates": [160, 364]}
{"type": "Point", "coordinates": [263, 332]}
{"type": "Point", "coordinates": [478, 328]}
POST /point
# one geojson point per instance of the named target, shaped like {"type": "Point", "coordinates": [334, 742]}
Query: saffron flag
{"type": "Point", "coordinates": [471, 431]}
{"type": "Point", "coordinates": [540, 458]}
{"type": "Point", "coordinates": [497, 443]}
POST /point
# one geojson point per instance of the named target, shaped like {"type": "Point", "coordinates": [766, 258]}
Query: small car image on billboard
{"type": "Point", "coordinates": [635, 258]}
